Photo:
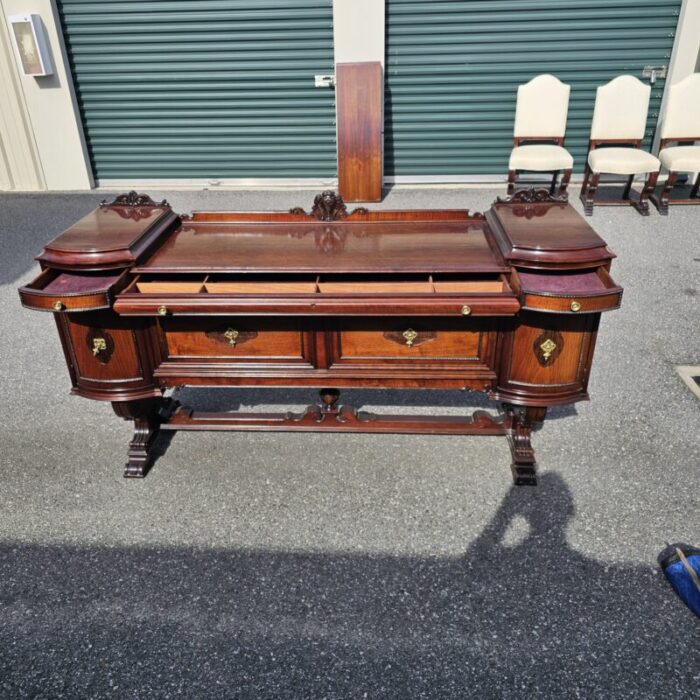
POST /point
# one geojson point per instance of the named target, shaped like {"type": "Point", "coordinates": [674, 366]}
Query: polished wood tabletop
{"type": "Point", "coordinates": [337, 247]}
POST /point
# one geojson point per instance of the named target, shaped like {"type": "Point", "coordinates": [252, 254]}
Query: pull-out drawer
{"type": "Point", "coordinates": [571, 292]}
{"type": "Point", "coordinates": [412, 343]}
{"type": "Point", "coordinates": [344, 295]}
{"type": "Point", "coordinates": [236, 340]}
{"type": "Point", "coordinates": [55, 290]}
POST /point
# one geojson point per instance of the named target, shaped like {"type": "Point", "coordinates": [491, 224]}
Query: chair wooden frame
{"type": "Point", "coordinates": [555, 141]}
{"type": "Point", "coordinates": [592, 179]}
{"type": "Point", "coordinates": [662, 201]}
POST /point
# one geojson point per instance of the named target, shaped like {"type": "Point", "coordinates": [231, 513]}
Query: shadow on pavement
{"type": "Point", "coordinates": [520, 614]}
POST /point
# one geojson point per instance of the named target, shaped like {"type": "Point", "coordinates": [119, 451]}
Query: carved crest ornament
{"type": "Point", "coordinates": [329, 206]}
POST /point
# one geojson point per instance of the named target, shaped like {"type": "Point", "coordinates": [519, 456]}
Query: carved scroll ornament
{"type": "Point", "coordinates": [328, 206]}
{"type": "Point", "coordinates": [133, 199]}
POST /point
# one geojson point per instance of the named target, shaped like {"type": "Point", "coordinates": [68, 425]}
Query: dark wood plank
{"type": "Point", "coordinates": [360, 123]}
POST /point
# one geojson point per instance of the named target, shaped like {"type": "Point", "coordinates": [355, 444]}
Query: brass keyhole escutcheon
{"type": "Point", "coordinates": [575, 306]}
{"type": "Point", "coordinates": [98, 345]}
{"type": "Point", "coordinates": [410, 335]}
{"type": "Point", "coordinates": [231, 334]}
{"type": "Point", "coordinates": [466, 310]}
{"type": "Point", "coordinates": [162, 310]}
{"type": "Point", "coordinates": [58, 306]}
{"type": "Point", "coordinates": [548, 347]}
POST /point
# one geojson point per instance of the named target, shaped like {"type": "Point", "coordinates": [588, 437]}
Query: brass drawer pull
{"type": "Point", "coordinates": [410, 335]}
{"type": "Point", "coordinates": [231, 334]}
{"type": "Point", "coordinates": [162, 310]}
{"type": "Point", "coordinates": [98, 345]}
{"type": "Point", "coordinates": [58, 306]}
{"type": "Point", "coordinates": [575, 306]}
{"type": "Point", "coordinates": [466, 310]}
{"type": "Point", "coordinates": [548, 347]}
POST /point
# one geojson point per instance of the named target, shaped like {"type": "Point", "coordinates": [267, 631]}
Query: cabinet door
{"type": "Point", "coordinates": [546, 358]}
{"type": "Point", "coordinates": [111, 358]}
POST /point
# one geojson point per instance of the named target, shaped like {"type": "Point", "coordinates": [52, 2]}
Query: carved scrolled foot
{"type": "Point", "coordinates": [523, 421]}
{"type": "Point", "coordinates": [147, 416]}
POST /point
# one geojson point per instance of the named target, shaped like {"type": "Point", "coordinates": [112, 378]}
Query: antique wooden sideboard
{"type": "Point", "coordinates": [506, 303]}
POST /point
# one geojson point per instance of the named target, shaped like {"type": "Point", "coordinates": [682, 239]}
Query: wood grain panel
{"type": "Point", "coordinates": [569, 369]}
{"type": "Point", "coordinates": [360, 116]}
{"type": "Point", "coordinates": [436, 341]}
{"type": "Point", "coordinates": [257, 339]}
{"type": "Point", "coordinates": [118, 362]}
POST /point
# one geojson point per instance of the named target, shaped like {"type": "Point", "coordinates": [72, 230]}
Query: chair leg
{"type": "Point", "coordinates": [643, 205]}
{"type": "Point", "coordinates": [584, 184]}
{"type": "Point", "coordinates": [662, 201]}
{"type": "Point", "coordinates": [696, 187]}
{"type": "Point", "coordinates": [511, 182]}
{"type": "Point", "coordinates": [590, 194]}
{"type": "Point", "coordinates": [566, 176]}
{"type": "Point", "coordinates": [553, 184]}
{"type": "Point", "coordinates": [628, 187]}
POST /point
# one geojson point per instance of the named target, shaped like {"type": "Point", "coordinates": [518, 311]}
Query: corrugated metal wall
{"type": "Point", "coordinates": [204, 88]}
{"type": "Point", "coordinates": [453, 67]}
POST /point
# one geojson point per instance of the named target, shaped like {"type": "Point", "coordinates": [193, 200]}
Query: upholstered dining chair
{"type": "Point", "coordinates": [681, 124]}
{"type": "Point", "coordinates": [617, 130]}
{"type": "Point", "coordinates": [540, 116]}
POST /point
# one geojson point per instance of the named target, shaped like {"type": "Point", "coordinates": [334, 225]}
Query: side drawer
{"type": "Point", "coordinates": [569, 292]}
{"type": "Point", "coordinates": [60, 291]}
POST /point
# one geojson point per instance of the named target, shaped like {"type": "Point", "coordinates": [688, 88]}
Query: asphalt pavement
{"type": "Point", "coordinates": [354, 566]}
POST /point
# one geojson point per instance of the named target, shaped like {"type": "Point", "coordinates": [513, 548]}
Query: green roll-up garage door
{"type": "Point", "coordinates": [453, 67]}
{"type": "Point", "coordinates": [204, 88]}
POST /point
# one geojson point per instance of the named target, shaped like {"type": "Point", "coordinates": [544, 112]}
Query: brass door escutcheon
{"type": "Point", "coordinates": [410, 335]}
{"type": "Point", "coordinates": [575, 306]}
{"type": "Point", "coordinates": [98, 345]}
{"type": "Point", "coordinates": [466, 310]}
{"type": "Point", "coordinates": [548, 347]}
{"type": "Point", "coordinates": [231, 334]}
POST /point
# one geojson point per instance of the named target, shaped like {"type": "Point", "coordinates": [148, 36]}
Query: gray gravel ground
{"type": "Point", "coordinates": [339, 566]}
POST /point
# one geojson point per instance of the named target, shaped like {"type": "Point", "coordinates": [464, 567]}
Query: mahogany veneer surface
{"type": "Point", "coordinates": [354, 248]}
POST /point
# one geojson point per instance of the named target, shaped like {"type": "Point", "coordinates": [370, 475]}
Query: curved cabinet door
{"type": "Point", "coordinates": [110, 358]}
{"type": "Point", "coordinates": [546, 359]}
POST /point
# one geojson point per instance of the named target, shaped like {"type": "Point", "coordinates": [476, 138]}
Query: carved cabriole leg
{"type": "Point", "coordinates": [511, 182]}
{"type": "Point", "coordinates": [566, 176]}
{"type": "Point", "coordinates": [146, 415]}
{"type": "Point", "coordinates": [643, 205]}
{"type": "Point", "coordinates": [523, 420]}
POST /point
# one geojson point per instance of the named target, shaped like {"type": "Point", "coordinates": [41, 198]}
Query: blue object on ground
{"type": "Point", "coordinates": [681, 566]}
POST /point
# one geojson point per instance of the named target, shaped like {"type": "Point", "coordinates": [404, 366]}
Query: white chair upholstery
{"type": "Point", "coordinates": [620, 110]}
{"type": "Point", "coordinates": [540, 115]}
{"type": "Point", "coordinates": [681, 159]}
{"type": "Point", "coordinates": [620, 116]}
{"type": "Point", "coordinates": [681, 119]}
{"type": "Point", "coordinates": [539, 158]}
{"type": "Point", "coordinates": [541, 107]}
{"type": "Point", "coordinates": [622, 161]}
{"type": "Point", "coordinates": [681, 122]}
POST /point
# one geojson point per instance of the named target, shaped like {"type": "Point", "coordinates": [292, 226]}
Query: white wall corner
{"type": "Point", "coordinates": [358, 31]}
{"type": "Point", "coordinates": [20, 168]}
{"type": "Point", "coordinates": [685, 55]}
{"type": "Point", "coordinates": [52, 105]}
